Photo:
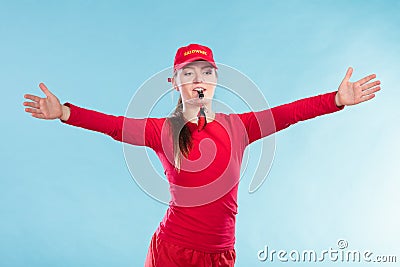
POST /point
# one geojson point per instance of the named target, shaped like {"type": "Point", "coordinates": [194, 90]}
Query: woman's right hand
{"type": "Point", "coordinates": [44, 108]}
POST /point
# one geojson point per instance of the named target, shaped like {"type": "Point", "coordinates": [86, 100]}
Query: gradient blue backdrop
{"type": "Point", "coordinates": [66, 195]}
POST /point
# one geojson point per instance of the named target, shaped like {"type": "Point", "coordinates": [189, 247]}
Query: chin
{"type": "Point", "coordinates": [193, 101]}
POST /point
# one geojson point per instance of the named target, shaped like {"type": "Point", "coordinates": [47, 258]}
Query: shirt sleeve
{"type": "Point", "coordinates": [265, 122]}
{"type": "Point", "coordinates": [135, 131]}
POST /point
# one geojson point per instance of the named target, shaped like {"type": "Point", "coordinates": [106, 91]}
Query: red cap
{"type": "Point", "coordinates": [193, 52]}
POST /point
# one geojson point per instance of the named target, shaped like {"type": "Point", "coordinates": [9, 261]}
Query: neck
{"type": "Point", "coordinates": [190, 112]}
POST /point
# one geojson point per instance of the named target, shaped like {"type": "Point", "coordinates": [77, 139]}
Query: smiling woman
{"type": "Point", "coordinates": [203, 164]}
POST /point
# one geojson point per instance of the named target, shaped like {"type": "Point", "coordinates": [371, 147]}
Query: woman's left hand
{"type": "Point", "coordinates": [354, 93]}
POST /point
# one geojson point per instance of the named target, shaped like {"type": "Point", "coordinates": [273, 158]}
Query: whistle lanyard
{"type": "Point", "coordinates": [201, 115]}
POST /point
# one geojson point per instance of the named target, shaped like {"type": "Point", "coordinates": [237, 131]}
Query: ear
{"type": "Point", "coordinates": [173, 81]}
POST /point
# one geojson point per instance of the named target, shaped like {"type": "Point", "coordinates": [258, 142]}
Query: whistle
{"type": "Point", "coordinates": [200, 92]}
{"type": "Point", "coordinates": [201, 116]}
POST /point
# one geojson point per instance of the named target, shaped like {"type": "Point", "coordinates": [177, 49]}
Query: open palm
{"type": "Point", "coordinates": [44, 108]}
{"type": "Point", "coordinates": [352, 93]}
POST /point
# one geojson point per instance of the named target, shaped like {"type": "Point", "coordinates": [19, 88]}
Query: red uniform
{"type": "Point", "coordinates": [199, 225]}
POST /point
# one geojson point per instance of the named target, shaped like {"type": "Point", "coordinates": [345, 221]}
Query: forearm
{"type": "Point", "coordinates": [120, 128]}
{"type": "Point", "coordinates": [304, 109]}
{"type": "Point", "coordinates": [265, 122]}
{"type": "Point", "coordinates": [92, 120]}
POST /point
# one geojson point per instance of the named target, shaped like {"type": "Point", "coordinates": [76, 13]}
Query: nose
{"type": "Point", "coordinates": [198, 78]}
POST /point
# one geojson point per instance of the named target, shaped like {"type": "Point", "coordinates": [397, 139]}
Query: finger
{"type": "Point", "coordinates": [366, 98]}
{"type": "Point", "coordinates": [45, 90]}
{"type": "Point", "coordinates": [33, 110]}
{"type": "Point", "coordinates": [39, 116]}
{"type": "Point", "coordinates": [348, 74]}
{"type": "Point", "coordinates": [366, 79]}
{"type": "Point", "coordinates": [370, 85]}
{"type": "Point", "coordinates": [31, 104]}
{"type": "Point", "coordinates": [32, 97]}
{"type": "Point", "coordinates": [371, 91]}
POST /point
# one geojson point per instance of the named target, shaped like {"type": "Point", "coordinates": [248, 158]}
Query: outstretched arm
{"type": "Point", "coordinates": [135, 131]}
{"type": "Point", "coordinates": [353, 93]}
{"type": "Point", "coordinates": [265, 122]}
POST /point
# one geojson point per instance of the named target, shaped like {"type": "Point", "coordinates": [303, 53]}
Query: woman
{"type": "Point", "coordinates": [201, 152]}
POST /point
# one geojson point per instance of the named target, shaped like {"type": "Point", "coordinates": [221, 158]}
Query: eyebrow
{"type": "Point", "coordinates": [191, 66]}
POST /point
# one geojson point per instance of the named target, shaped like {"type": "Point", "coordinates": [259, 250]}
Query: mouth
{"type": "Point", "coordinates": [199, 89]}
{"type": "Point", "coordinates": [200, 92]}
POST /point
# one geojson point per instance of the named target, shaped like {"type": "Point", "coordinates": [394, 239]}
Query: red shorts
{"type": "Point", "coordinates": [165, 254]}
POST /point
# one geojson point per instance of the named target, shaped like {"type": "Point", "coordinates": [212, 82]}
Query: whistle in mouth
{"type": "Point", "coordinates": [200, 92]}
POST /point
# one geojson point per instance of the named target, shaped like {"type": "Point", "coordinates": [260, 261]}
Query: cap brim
{"type": "Point", "coordinates": [182, 65]}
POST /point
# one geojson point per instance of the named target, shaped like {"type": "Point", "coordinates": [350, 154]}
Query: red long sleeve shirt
{"type": "Point", "coordinates": [203, 205]}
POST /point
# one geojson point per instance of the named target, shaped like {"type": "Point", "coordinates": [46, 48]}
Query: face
{"type": "Point", "coordinates": [198, 74]}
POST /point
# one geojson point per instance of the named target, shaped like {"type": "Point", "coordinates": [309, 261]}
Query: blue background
{"type": "Point", "coordinates": [66, 195]}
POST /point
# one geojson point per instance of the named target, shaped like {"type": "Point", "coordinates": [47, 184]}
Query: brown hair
{"type": "Point", "coordinates": [181, 135]}
{"type": "Point", "coordinates": [182, 138]}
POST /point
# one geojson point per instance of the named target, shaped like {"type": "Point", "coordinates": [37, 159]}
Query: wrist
{"type": "Point", "coordinates": [337, 101]}
{"type": "Point", "coordinates": [65, 113]}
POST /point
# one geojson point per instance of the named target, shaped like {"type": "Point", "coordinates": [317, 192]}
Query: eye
{"type": "Point", "coordinates": [188, 73]}
{"type": "Point", "coordinates": [208, 72]}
